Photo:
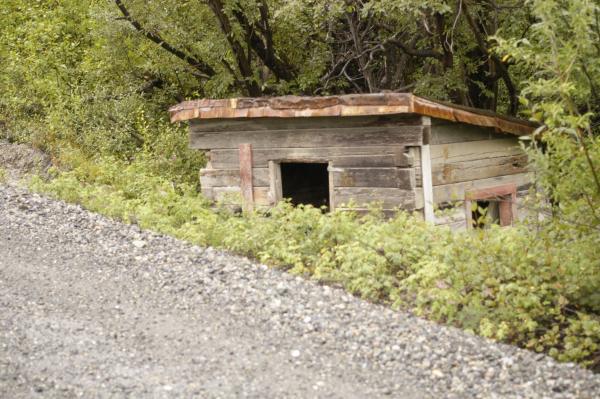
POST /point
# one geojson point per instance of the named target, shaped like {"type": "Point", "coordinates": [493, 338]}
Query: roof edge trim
{"type": "Point", "coordinates": [346, 105]}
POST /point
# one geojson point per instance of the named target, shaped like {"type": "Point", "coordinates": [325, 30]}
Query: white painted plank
{"type": "Point", "coordinates": [427, 183]}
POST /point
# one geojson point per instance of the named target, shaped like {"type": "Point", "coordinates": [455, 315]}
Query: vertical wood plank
{"type": "Point", "coordinates": [427, 183]}
{"type": "Point", "coordinates": [331, 187]}
{"type": "Point", "coordinates": [275, 187]}
{"type": "Point", "coordinates": [513, 206]}
{"type": "Point", "coordinates": [426, 122]}
{"type": "Point", "coordinates": [508, 209]}
{"type": "Point", "coordinates": [469, 213]}
{"type": "Point", "coordinates": [246, 177]}
{"type": "Point", "coordinates": [505, 210]}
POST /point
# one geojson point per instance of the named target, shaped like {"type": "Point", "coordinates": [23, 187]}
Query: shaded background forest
{"type": "Point", "coordinates": [90, 83]}
{"type": "Point", "coordinates": [109, 58]}
{"type": "Point", "coordinates": [99, 62]}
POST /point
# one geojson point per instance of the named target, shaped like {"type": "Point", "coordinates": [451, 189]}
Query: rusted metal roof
{"type": "Point", "coordinates": [345, 105]}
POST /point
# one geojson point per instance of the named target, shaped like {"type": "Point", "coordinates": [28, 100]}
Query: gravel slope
{"type": "Point", "coordinates": [94, 308]}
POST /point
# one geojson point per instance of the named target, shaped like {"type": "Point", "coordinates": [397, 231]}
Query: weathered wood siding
{"type": "Point", "coordinates": [369, 157]}
{"type": "Point", "coordinates": [466, 157]}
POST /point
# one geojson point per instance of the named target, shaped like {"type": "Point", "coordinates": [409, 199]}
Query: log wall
{"type": "Point", "coordinates": [370, 158]}
{"type": "Point", "coordinates": [466, 158]}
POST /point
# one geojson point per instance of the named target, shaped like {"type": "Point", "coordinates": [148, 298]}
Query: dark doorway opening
{"type": "Point", "coordinates": [305, 183]}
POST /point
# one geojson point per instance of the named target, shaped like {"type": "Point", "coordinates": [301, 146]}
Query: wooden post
{"type": "Point", "coordinates": [246, 177]}
{"type": "Point", "coordinates": [330, 170]}
{"type": "Point", "coordinates": [275, 189]}
{"type": "Point", "coordinates": [505, 211]}
{"type": "Point", "coordinates": [427, 183]}
{"type": "Point", "coordinates": [469, 213]}
{"type": "Point", "coordinates": [508, 209]}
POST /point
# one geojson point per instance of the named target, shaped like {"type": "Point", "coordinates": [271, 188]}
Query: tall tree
{"type": "Point", "coordinates": [439, 48]}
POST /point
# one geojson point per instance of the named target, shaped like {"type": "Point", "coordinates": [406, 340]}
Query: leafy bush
{"type": "Point", "coordinates": [561, 60]}
{"type": "Point", "coordinates": [536, 288]}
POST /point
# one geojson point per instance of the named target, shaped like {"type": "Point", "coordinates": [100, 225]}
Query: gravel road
{"type": "Point", "coordinates": [94, 308]}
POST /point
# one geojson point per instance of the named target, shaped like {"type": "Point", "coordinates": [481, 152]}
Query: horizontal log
{"type": "Point", "coordinates": [451, 173]}
{"type": "Point", "coordinates": [456, 192]}
{"type": "Point", "coordinates": [233, 195]}
{"type": "Point", "coordinates": [469, 151]}
{"type": "Point", "coordinates": [219, 177]}
{"type": "Point", "coordinates": [452, 215]}
{"type": "Point", "coordinates": [457, 225]}
{"type": "Point", "coordinates": [389, 197]}
{"type": "Point", "coordinates": [231, 177]}
{"type": "Point", "coordinates": [374, 177]}
{"type": "Point", "coordinates": [250, 124]}
{"type": "Point", "coordinates": [399, 159]}
{"type": "Point", "coordinates": [461, 132]}
{"type": "Point", "coordinates": [208, 193]}
{"type": "Point", "coordinates": [456, 172]}
{"type": "Point", "coordinates": [376, 156]}
{"type": "Point", "coordinates": [387, 213]}
{"type": "Point", "coordinates": [310, 138]}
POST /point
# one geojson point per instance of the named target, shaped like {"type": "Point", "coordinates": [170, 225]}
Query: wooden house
{"type": "Point", "coordinates": [397, 149]}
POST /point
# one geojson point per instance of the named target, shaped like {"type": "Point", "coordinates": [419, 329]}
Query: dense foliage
{"type": "Point", "coordinates": [561, 59]}
{"type": "Point", "coordinates": [90, 83]}
{"type": "Point", "coordinates": [78, 71]}
{"type": "Point", "coordinates": [534, 288]}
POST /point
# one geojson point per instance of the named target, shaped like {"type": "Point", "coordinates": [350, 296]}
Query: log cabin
{"type": "Point", "coordinates": [397, 149]}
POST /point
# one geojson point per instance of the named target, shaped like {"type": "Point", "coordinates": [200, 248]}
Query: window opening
{"type": "Point", "coordinates": [485, 213]}
{"type": "Point", "coordinates": [305, 183]}
{"type": "Point", "coordinates": [489, 206]}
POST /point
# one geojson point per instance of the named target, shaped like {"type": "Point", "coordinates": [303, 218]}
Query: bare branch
{"type": "Point", "coordinates": [242, 58]}
{"type": "Point", "coordinates": [502, 69]}
{"type": "Point", "coordinates": [203, 68]}
{"type": "Point", "coordinates": [410, 50]}
{"type": "Point", "coordinates": [266, 52]}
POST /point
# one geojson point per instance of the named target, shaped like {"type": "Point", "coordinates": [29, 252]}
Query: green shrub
{"type": "Point", "coordinates": [517, 286]}
{"type": "Point", "coordinates": [536, 288]}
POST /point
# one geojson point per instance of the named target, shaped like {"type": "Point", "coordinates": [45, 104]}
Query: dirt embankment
{"type": "Point", "coordinates": [20, 160]}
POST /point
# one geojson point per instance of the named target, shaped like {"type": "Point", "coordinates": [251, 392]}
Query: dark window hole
{"type": "Point", "coordinates": [484, 213]}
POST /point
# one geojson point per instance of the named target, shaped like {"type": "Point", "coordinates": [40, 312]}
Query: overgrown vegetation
{"type": "Point", "coordinates": [89, 82]}
{"type": "Point", "coordinates": [535, 288]}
